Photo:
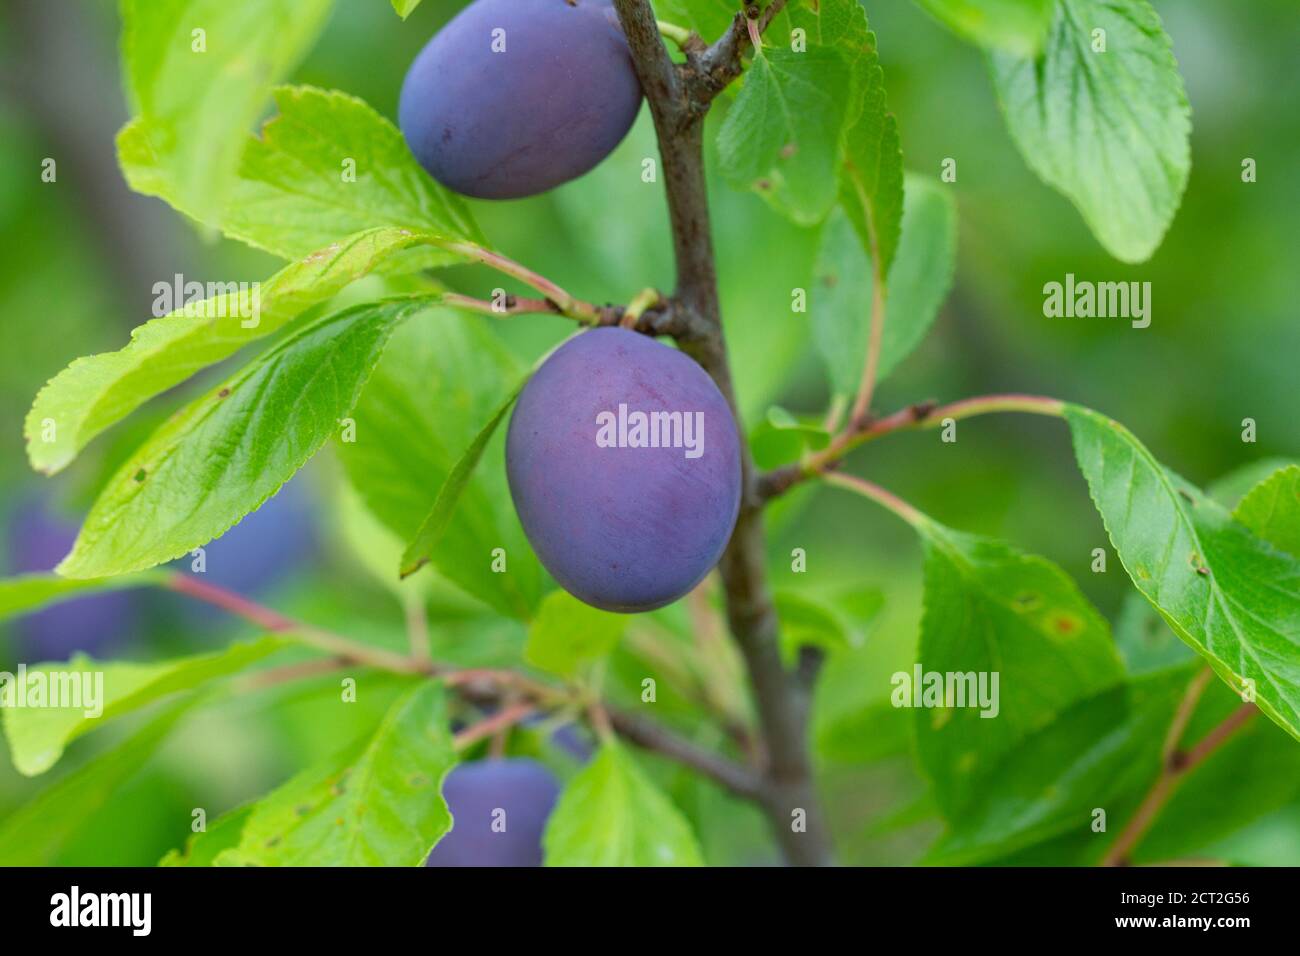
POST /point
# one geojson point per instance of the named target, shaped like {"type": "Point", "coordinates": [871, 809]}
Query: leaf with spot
{"type": "Point", "coordinates": [98, 391]}
{"type": "Point", "coordinates": [228, 451]}
{"type": "Point", "coordinates": [379, 803]}
{"type": "Point", "coordinates": [610, 814]}
{"type": "Point", "coordinates": [991, 610]}
{"type": "Point", "coordinates": [1232, 596]}
{"type": "Point", "coordinates": [1110, 130]}
{"type": "Point", "coordinates": [203, 848]}
{"type": "Point", "coordinates": [781, 136]}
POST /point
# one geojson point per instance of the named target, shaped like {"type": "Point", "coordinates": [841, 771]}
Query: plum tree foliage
{"type": "Point", "coordinates": [631, 474]}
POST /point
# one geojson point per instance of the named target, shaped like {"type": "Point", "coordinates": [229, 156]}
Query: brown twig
{"type": "Point", "coordinates": [481, 685]}
{"type": "Point", "coordinates": [864, 428]}
{"type": "Point", "coordinates": [1176, 764]}
{"type": "Point", "coordinates": [277, 623]}
{"type": "Point", "coordinates": [723, 62]}
{"type": "Point", "coordinates": [503, 719]}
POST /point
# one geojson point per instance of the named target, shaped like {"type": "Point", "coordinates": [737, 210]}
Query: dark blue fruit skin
{"type": "Point", "coordinates": [524, 789]}
{"type": "Point", "coordinates": [100, 625]}
{"type": "Point", "coordinates": [624, 529]}
{"type": "Point", "coordinates": [516, 123]}
{"type": "Point", "coordinates": [266, 546]}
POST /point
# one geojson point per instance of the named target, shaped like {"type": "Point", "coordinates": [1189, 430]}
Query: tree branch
{"type": "Point", "coordinates": [723, 61]}
{"type": "Point", "coordinates": [517, 694]}
{"type": "Point", "coordinates": [678, 96]}
{"type": "Point", "coordinates": [865, 428]}
{"type": "Point", "coordinates": [1177, 764]}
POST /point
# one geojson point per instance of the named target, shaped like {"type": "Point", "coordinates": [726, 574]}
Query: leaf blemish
{"type": "Point", "coordinates": [1027, 601]}
{"type": "Point", "coordinates": [141, 475]}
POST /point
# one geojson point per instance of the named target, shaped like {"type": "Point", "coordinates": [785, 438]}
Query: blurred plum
{"type": "Point", "coordinates": [499, 809]}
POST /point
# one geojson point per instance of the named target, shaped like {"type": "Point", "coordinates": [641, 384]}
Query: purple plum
{"type": "Point", "coordinates": [499, 809]}
{"type": "Point", "coordinates": [514, 97]}
{"type": "Point", "coordinates": [99, 624]}
{"type": "Point", "coordinates": [624, 464]}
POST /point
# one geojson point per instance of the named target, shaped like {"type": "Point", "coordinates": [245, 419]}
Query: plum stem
{"type": "Point", "coordinates": [275, 622]}
{"type": "Point", "coordinates": [642, 301]}
{"type": "Point", "coordinates": [565, 303]}
{"type": "Point", "coordinates": [679, 35]}
{"type": "Point", "coordinates": [864, 428]}
{"type": "Point", "coordinates": [872, 491]}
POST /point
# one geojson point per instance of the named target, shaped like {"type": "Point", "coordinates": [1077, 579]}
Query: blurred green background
{"type": "Point", "coordinates": [81, 256]}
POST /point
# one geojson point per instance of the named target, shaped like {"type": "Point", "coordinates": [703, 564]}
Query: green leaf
{"type": "Point", "coordinates": [917, 284]}
{"type": "Point", "coordinates": [419, 551]}
{"type": "Point", "coordinates": [1110, 130]}
{"type": "Point", "coordinates": [228, 451]}
{"type": "Point", "coordinates": [1016, 26]}
{"type": "Point", "coordinates": [567, 634]}
{"type": "Point", "coordinates": [198, 73]}
{"type": "Point", "coordinates": [871, 188]}
{"type": "Point", "coordinates": [1144, 640]}
{"type": "Point", "coordinates": [404, 7]}
{"type": "Point", "coordinates": [424, 405]}
{"type": "Point", "coordinates": [1099, 753]}
{"type": "Point", "coordinates": [780, 438]}
{"type": "Point", "coordinates": [610, 814]}
{"type": "Point", "coordinates": [1229, 489]}
{"type": "Point", "coordinates": [1272, 510]}
{"type": "Point", "coordinates": [99, 391]}
{"type": "Point", "coordinates": [37, 832]}
{"type": "Point", "coordinates": [296, 192]}
{"type": "Point", "coordinates": [29, 593]}
{"type": "Point", "coordinates": [991, 610]}
{"type": "Point", "coordinates": [38, 734]}
{"type": "Point", "coordinates": [833, 623]}
{"type": "Point", "coordinates": [781, 136]}
{"type": "Point", "coordinates": [203, 848]}
{"type": "Point", "coordinates": [709, 18]}
{"type": "Point", "coordinates": [377, 804]}
{"type": "Point", "coordinates": [1233, 597]}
